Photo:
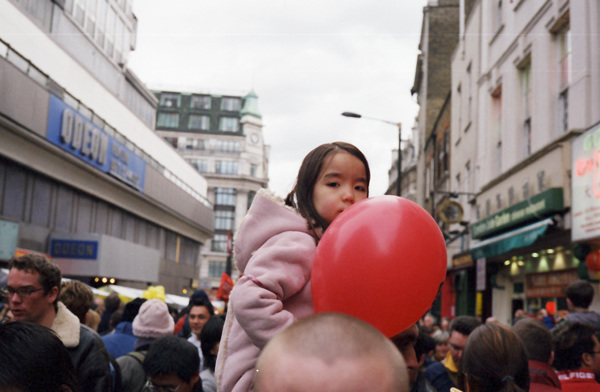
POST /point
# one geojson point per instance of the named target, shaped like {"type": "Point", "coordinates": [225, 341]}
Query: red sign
{"type": "Point", "coordinates": [549, 284]}
{"type": "Point", "coordinates": [225, 287]}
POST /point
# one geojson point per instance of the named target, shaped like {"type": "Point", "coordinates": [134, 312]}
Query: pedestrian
{"type": "Point", "coordinates": [577, 358]}
{"type": "Point", "coordinates": [579, 298]}
{"type": "Point", "coordinates": [441, 345]}
{"type": "Point", "coordinates": [494, 360]}
{"type": "Point", "coordinates": [34, 360]}
{"type": "Point", "coordinates": [111, 305]}
{"type": "Point", "coordinates": [274, 250]}
{"type": "Point", "coordinates": [122, 340]}
{"type": "Point", "coordinates": [444, 375]}
{"type": "Point", "coordinates": [331, 352]}
{"type": "Point", "coordinates": [152, 322]}
{"type": "Point", "coordinates": [172, 364]}
{"type": "Point", "coordinates": [32, 291]}
{"type": "Point", "coordinates": [211, 340]}
{"type": "Point", "coordinates": [77, 297]}
{"type": "Point", "coordinates": [201, 311]}
{"type": "Point", "coordinates": [537, 339]}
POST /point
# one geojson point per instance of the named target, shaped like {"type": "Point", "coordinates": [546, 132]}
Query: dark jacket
{"type": "Point", "coordinates": [87, 351]}
{"type": "Point", "coordinates": [438, 376]}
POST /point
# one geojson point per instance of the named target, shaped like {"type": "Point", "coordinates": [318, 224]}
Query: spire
{"type": "Point", "coordinates": [251, 105]}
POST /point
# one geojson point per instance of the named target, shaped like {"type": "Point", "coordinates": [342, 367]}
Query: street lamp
{"type": "Point", "coordinates": [399, 125]}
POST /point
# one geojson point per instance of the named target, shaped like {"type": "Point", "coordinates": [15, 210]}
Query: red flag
{"type": "Point", "coordinates": [225, 287]}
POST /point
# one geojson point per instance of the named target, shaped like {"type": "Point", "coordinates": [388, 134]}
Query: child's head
{"type": "Point", "coordinates": [332, 177]}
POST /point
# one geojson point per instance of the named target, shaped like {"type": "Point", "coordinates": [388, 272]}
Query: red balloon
{"type": "Point", "coordinates": [383, 260]}
{"type": "Point", "coordinates": [551, 307]}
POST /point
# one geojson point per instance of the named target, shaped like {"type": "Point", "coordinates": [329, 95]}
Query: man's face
{"type": "Point", "coordinates": [457, 342]}
{"type": "Point", "coordinates": [198, 316]}
{"type": "Point", "coordinates": [35, 307]}
{"type": "Point", "coordinates": [172, 381]}
{"type": "Point", "coordinates": [405, 342]}
{"type": "Point", "coordinates": [593, 362]}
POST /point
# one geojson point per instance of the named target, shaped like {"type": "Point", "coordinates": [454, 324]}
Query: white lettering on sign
{"type": "Point", "coordinates": [83, 137]}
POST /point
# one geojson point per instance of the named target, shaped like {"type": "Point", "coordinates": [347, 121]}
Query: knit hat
{"type": "Point", "coordinates": [153, 320]}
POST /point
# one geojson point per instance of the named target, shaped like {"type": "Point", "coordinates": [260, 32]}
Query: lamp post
{"type": "Point", "coordinates": [399, 125]}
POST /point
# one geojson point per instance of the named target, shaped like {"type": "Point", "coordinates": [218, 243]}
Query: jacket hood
{"type": "Point", "coordinates": [267, 217]}
{"type": "Point", "coordinates": [589, 318]}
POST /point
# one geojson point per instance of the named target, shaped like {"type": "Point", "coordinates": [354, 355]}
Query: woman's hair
{"type": "Point", "coordinates": [301, 197]}
{"type": "Point", "coordinates": [209, 337]}
{"type": "Point", "coordinates": [494, 359]}
{"type": "Point", "coordinates": [34, 359]}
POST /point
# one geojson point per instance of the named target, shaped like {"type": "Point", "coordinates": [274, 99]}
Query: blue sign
{"type": "Point", "coordinates": [80, 137]}
{"type": "Point", "coordinates": [73, 249]}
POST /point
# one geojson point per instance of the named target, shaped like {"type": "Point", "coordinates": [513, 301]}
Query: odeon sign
{"type": "Point", "coordinates": [77, 135]}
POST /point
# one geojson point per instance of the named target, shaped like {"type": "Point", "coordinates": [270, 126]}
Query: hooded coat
{"type": "Point", "coordinates": [274, 251]}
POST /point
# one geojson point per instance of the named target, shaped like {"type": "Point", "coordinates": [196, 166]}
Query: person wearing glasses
{"type": "Point", "coordinates": [444, 375]}
{"type": "Point", "coordinates": [32, 292]}
{"type": "Point", "coordinates": [577, 358]}
{"type": "Point", "coordinates": [172, 365]}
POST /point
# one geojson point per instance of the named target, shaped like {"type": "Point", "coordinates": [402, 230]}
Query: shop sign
{"type": "Point", "coordinates": [540, 205]}
{"type": "Point", "coordinates": [585, 184]}
{"type": "Point", "coordinates": [549, 284]}
{"type": "Point", "coordinates": [74, 249]}
{"type": "Point", "coordinates": [463, 260]}
{"type": "Point", "coordinates": [81, 138]}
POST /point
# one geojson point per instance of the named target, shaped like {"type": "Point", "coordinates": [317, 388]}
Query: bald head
{"type": "Point", "coordinates": [330, 352]}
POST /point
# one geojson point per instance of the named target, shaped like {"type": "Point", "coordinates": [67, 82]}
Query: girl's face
{"type": "Point", "coordinates": [341, 183]}
{"type": "Point", "coordinates": [441, 349]}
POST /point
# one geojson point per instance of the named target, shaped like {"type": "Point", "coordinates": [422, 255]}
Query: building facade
{"type": "Point", "coordinates": [84, 178]}
{"type": "Point", "coordinates": [221, 137]}
{"type": "Point", "coordinates": [524, 90]}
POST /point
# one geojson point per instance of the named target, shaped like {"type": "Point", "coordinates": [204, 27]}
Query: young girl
{"type": "Point", "coordinates": [274, 250]}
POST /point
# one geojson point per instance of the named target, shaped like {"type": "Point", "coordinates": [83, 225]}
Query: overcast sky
{"type": "Point", "coordinates": [308, 61]}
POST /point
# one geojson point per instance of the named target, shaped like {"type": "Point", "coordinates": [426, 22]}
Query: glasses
{"type": "Point", "coordinates": [149, 387]}
{"type": "Point", "coordinates": [22, 292]}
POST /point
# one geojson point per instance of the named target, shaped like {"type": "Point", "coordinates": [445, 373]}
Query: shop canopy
{"type": "Point", "coordinates": [519, 238]}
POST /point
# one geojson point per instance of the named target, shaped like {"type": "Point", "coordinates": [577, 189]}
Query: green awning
{"type": "Point", "coordinates": [514, 239]}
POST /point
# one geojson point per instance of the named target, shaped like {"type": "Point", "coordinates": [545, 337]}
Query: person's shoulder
{"type": "Point", "coordinates": [434, 370]}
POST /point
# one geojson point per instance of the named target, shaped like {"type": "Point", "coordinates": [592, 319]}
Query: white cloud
{"type": "Point", "coordinates": [308, 61]}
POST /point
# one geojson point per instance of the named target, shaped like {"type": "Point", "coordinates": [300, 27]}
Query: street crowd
{"type": "Point", "coordinates": [52, 338]}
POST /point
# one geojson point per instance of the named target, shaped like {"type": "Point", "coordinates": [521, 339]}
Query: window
{"type": "Point", "coordinates": [201, 102]}
{"type": "Point", "coordinates": [79, 11]}
{"type": "Point", "coordinates": [227, 146]}
{"type": "Point", "coordinates": [119, 41]}
{"type": "Point", "coordinates": [497, 126]}
{"type": "Point", "coordinates": [251, 196]}
{"type": "Point", "coordinates": [225, 196]}
{"type": "Point", "coordinates": [224, 219]}
{"type": "Point", "coordinates": [168, 120]}
{"type": "Point", "coordinates": [563, 111]}
{"type": "Point", "coordinates": [191, 143]}
{"type": "Point", "coordinates": [200, 164]}
{"type": "Point", "coordinates": [253, 169]}
{"type": "Point", "coordinates": [230, 104]}
{"type": "Point", "coordinates": [172, 141]}
{"type": "Point", "coordinates": [90, 22]}
{"type": "Point", "coordinates": [228, 124]}
{"type": "Point", "coordinates": [199, 122]}
{"type": "Point", "coordinates": [169, 100]}
{"type": "Point", "coordinates": [564, 51]}
{"type": "Point", "coordinates": [219, 243]}
{"type": "Point", "coordinates": [526, 95]}
{"type": "Point", "coordinates": [226, 167]}
{"type": "Point", "coordinates": [111, 19]}
{"type": "Point", "coordinates": [101, 21]}
{"type": "Point", "coordinates": [497, 15]}
{"type": "Point", "coordinates": [216, 269]}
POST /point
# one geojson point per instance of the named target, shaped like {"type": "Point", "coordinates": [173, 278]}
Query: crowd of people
{"type": "Point", "coordinates": [55, 336]}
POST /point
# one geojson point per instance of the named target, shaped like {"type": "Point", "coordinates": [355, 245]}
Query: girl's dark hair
{"type": "Point", "coordinates": [494, 359]}
{"type": "Point", "coordinates": [209, 337]}
{"type": "Point", "coordinates": [301, 196]}
{"type": "Point", "coordinates": [34, 359]}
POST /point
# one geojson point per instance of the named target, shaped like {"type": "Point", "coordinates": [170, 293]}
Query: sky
{"type": "Point", "coordinates": [308, 61]}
